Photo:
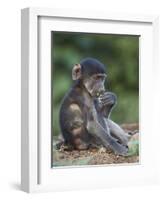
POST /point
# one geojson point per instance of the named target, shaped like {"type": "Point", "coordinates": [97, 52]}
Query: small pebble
{"type": "Point", "coordinates": [102, 150]}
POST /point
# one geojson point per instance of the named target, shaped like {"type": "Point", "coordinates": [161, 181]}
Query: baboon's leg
{"type": "Point", "coordinates": [117, 132]}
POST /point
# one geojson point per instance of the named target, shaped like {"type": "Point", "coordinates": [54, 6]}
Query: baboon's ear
{"type": "Point", "coordinates": [76, 72]}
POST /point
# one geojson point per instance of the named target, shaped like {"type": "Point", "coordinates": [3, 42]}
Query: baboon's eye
{"type": "Point", "coordinates": [98, 77]}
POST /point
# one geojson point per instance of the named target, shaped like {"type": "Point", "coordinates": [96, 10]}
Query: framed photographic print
{"type": "Point", "coordinates": [87, 114]}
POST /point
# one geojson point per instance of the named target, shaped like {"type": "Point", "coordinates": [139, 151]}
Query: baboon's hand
{"type": "Point", "coordinates": [107, 98]}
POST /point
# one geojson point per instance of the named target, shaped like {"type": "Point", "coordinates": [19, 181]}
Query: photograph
{"type": "Point", "coordinates": [94, 99]}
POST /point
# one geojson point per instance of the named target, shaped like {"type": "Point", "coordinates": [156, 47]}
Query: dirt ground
{"type": "Point", "coordinates": [66, 157]}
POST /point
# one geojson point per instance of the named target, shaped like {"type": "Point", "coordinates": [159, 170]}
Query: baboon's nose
{"type": "Point", "coordinates": [102, 90]}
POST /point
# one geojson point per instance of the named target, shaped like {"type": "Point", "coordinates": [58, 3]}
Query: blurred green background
{"type": "Point", "coordinates": [119, 53]}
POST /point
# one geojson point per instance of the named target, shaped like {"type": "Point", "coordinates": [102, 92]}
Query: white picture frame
{"type": "Point", "coordinates": [36, 171]}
